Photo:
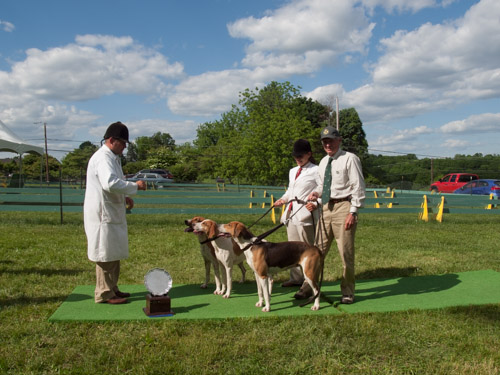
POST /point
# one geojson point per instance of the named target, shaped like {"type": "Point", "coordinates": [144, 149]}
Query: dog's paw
{"type": "Point", "coordinates": [218, 292]}
{"type": "Point", "coordinates": [266, 309]}
{"type": "Point", "coordinates": [227, 295]}
{"type": "Point", "coordinates": [203, 286]}
{"type": "Point", "coordinates": [258, 304]}
{"type": "Point", "coordinates": [314, 308]}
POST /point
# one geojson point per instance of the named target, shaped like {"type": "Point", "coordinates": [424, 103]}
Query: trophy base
{"type": "Point", "coordinates": [157, 305]}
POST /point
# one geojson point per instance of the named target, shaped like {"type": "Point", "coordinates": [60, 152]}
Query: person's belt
{"type": "Point", "coordinates": [335, 201]}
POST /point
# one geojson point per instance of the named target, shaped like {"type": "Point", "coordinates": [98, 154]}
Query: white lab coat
{"type": "Point", "coordinates": [104, 212]}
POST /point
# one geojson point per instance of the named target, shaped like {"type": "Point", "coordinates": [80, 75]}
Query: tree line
{"type": "Point", "coordinates": [252, 143]}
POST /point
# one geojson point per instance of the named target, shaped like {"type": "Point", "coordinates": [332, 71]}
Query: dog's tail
{"type": "Point", "coordinates": [311, 299]}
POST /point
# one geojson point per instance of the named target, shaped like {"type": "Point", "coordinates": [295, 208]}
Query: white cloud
{"type": "Point", "coordinates": [314, 31]}
{"type": "Point", "coordinates": [483, 123]}
{"type": "Point", "coordinates": [7, 26]}
{"type": "Point", "coordinates": [405, 136]}
{"type": "Point", "coordinates": [434, 67]}
{"type": "Point", "coordinates": [180, 131]}
{"type": "Point", "coordinates": [299, 38]}
{"type": "Point", "coordinates": [455, 143]}
{"type": "Point", "coordinates": [93, 67]}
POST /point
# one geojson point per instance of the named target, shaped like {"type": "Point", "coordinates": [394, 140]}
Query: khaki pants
{"type": "Point", "coordinates": [107, 274]}
{"type": "Point", "coordinates": [304, 233]}
{"type": "Point", "coordinates": [332, 226]}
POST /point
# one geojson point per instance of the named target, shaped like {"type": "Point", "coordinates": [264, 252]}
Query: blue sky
{"type": "Point", "coordinates": [422, 74]}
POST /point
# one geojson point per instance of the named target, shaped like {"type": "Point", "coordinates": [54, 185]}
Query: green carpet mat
{"type": "Point", "coordinates": [377, 295]}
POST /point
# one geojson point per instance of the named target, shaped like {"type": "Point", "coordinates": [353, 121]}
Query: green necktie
{"type": "Point", "coordinates": [327, 182]}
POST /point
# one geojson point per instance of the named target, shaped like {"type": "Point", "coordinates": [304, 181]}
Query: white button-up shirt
{"type": "Point", "coordinates": [347, 178]}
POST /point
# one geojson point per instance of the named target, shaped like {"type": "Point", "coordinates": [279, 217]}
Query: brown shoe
{"type": "Point", "coordinates": [116, 300]}
{"type": "Point", "coordinates": [122, 294]}
{"type": "Point", "coordinates": [289, 283]}
{"type": "Point", "coordinates": [347, 300]}
{"type": "Point", "coordinates": [302, 295]}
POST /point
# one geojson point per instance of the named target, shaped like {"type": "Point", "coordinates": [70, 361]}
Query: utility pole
{"type": "Point", "coordinates": [337, 101]}
{"type": "Point", "coordinates": [46, 151]}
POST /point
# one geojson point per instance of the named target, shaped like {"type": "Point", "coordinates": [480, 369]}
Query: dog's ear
{"type": "Point", "coordinates": [242, 231]}
{"type": "Point", "coordinates": [198, 219]}
{"type": "Point", "coordinates": [212, 228]}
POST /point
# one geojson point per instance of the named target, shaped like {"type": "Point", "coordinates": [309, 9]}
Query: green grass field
{"type": "Point", "coordinates": [41, 262]}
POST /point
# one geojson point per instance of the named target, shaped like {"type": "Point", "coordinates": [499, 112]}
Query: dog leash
{"type": "Point", "coordinates": [259, 238]}
{"type": "Point", "coordinates": [270, 208]}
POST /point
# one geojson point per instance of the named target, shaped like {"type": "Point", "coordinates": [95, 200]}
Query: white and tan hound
{"type": "Point", "coordinates": [208, 253]}
{"type": "Point", "coordinates": [267, 258]}
{"type": "Point", "coordinates": [226, 251]}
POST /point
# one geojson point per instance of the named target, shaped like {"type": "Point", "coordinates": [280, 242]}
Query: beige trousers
{"type": "Point", "coordinates": [304, 233]}
{"type": "Point", "coordinates": [107, 274]}
{"type": "Point", "coordinates": [332, 226]}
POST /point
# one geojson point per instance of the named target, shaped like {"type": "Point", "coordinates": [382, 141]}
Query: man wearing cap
{"type": "Point", "coordinates": [341, 192]}
{"type": "Point", "coordinates": [104, 213]}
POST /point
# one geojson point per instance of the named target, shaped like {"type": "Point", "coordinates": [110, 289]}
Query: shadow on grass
{"type": "Point", "coordinates": [44, 272]}
{"type": "Point", "coordinates": [390, 272]}
{"type": "Point", "coordinates": [407, 286]}
{"type": "Point", "coordinates": [489, 313]}
{"type": "Point", "coordinates": [27, 301]}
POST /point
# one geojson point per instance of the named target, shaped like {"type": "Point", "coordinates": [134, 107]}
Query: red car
{"type": "Point", "coordinates": [452, 181]}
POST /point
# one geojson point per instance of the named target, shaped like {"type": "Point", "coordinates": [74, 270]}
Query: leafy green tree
{"type": "Point", "coordinates": [161, 157]}
{"type": "Point", "coordinates": [8, 167]}
{"type": "Point", "coordinates": [31, 167]}
{"type": "Point", "coordinates": [74, 164]}
{"type": "Point", "coordinates": [131, 155]}
{"type": "Point", "coordinates": [253, 141]}
{"type": "Point", "coordinates": [187, 168]}
{"type": "Point", "coordinates": [353, 135]}
{"type": "Point", "coordinates": [143, 145]}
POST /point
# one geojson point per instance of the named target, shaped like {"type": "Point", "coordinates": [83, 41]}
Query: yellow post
{"type": "Point", "coordinates": [490, 206]}
{"type": "Point", "coordinates": [273, 215]}
{"type": "Point", "coordinates": [375, 193]}
{"type": "Point", "coordinates": [251, 196]}
{"type": "Point", "coordinates": [388, 189]}
{"type": "Point", "coordinates": [425, 214]}
{"type": "Point", "coordinates": [264, 203]}
{"type": "Point", "coordinates": [439, 216]}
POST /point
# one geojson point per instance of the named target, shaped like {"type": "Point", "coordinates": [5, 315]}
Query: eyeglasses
{"type": "Point", "coordinates": [122, 141]}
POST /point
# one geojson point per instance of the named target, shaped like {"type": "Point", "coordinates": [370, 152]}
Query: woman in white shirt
{"type": "Point", "coordinates": [302, 181]}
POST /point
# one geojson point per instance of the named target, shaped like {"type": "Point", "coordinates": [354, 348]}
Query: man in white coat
{"type": "Point", "coordinates": [104, 213]}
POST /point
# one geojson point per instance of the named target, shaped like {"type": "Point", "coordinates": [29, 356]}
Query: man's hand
{"type": "Point", "coordinates": [350, 220]}
{"type": "Point", "coordinates": [313, 197]}
{"type": "Point", "coordinates": [141, 185]}
{"type": "Point", "coordinates": [129, 203]}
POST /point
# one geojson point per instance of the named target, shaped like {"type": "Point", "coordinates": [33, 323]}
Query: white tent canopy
{"type": "Point", "coordinates": [9, 141]}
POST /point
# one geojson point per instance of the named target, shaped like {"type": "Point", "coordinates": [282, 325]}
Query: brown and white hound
{"type": "Point", "coordinates": [208, 253]}
{"type": "Point", "coordinates": [226, 252]}
{"type": "Point", "coordinates": [267, 258]}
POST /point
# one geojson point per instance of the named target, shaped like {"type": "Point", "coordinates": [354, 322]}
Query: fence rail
{"type": "Point", "coordinates": [205, 199]}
